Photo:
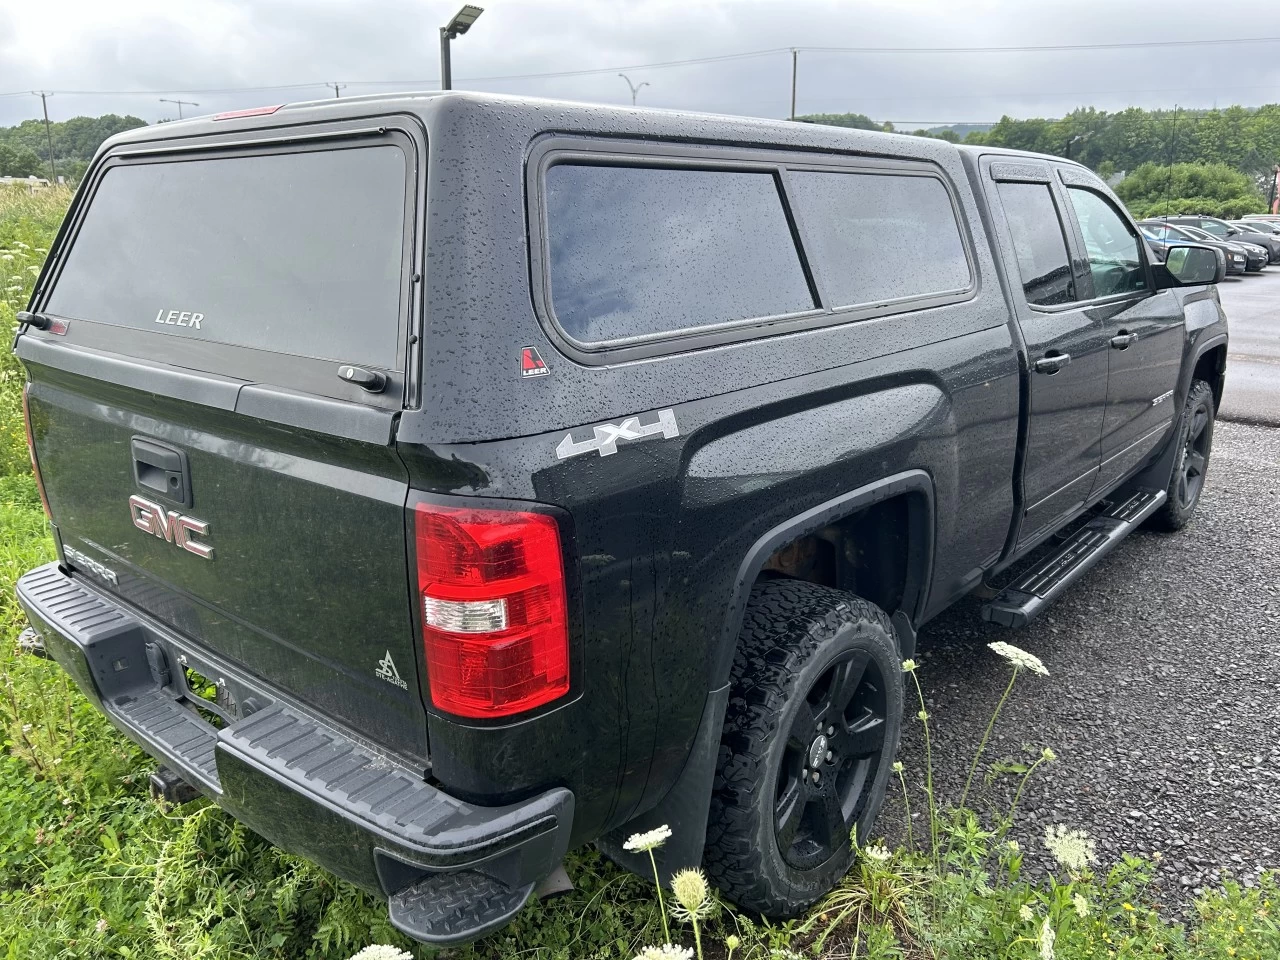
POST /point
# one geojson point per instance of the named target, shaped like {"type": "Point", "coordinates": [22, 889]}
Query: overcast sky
{"type": "Point", "coordinates": [162, 47]}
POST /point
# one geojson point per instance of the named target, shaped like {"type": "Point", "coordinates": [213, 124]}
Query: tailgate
{"type": "Point", "coordinates": [204, 452]}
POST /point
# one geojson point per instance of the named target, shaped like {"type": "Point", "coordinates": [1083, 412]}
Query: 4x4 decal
{"type": "Point", "coordinates": [607, 435]}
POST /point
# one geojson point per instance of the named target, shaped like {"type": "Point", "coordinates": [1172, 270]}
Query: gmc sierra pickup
{"type": "Point", "coordinates": [525, 474]}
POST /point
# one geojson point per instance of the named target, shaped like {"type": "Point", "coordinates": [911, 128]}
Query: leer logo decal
{"type": "Point", "coordinates": [387, 671]}
{"type": "Point", "coordinates": [606, 436]}
{"type": "Point", "coordinates": [180, 318]}
{"type": "Point", "coordinates": [532, 364]}
{"type": "Point", "coordinates": [170, 525]}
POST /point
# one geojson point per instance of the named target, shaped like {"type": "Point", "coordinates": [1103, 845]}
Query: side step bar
{"type": "Point", "coordinates": [1024, 600]}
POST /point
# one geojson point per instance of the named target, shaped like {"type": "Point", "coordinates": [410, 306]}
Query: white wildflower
{"type": "Point", "coordinates": [693, 896]}
{"type": "Point", "coordinates": [101, 926]}
{"type": "Point", "coordinates": [380, 951]}
{"type": "Point", "coordinates": [1081, 905]}
{"type": "Point", "coordinates": [908, 666]}
{"type": "Point", "coordinates": [664, 952]}
{"type": "Point", "coordinates": [897, 766]}
{"type": "Point", "coordinates": [1025, 913]}
{"type": "Point", "coordinates": [1019, 657]}
{"type": "Point", "coordinates": [1047, 936]}
{"type": "Point", "coordinates": [878, 852]}
{"type": "Point", "coordinates": [1048, 754]}
{"type": "Point", "coordinates": [1071, 848]}
{"type": "Point", "coordinates": [1014, 846]}
{"type": "Point", "coordinates": [649, 840]}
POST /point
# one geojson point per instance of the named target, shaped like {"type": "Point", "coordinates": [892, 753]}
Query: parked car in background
{"type": "Point", "coordinates": [1215, 226]}
{"type": "Point", "coordinates": [1256, 256]}
{"type": "Point", "coordinates": [1260, 232]}
{"type": "Point", "coordinates": [1160, 249]}
{"type": "Point", "coordinates": [1237, 260]}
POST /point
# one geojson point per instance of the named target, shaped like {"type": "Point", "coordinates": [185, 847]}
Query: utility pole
{"type": "Point", "coordinates": [336, 88]}
{"type": "Point", "coordinates": [794, 55]}
{"type": "Point", "coordinates": [634, 88]}
{"type": "Point", "coordinates": [181, 104]}
{"type": "Point", "coordinates": [48, 131]}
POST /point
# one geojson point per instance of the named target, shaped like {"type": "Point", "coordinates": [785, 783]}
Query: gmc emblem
{"type": "Point", "coordinates": [170, 525]}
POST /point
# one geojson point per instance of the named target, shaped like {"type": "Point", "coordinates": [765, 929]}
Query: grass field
{"type": "Point", "coordinates": [90, 867]}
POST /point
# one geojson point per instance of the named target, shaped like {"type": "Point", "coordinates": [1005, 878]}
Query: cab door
{"type": "Point", "coordinates": [1066, 344]}
{"type": "Point", "coordinates": [1144, 330]}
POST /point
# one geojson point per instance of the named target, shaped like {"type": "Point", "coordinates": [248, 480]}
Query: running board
{"type": "Point", "coordinates": [1024, 600]}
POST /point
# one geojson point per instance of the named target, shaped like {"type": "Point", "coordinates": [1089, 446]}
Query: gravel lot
{"type": "Point", "coordinates": [1163, 702]}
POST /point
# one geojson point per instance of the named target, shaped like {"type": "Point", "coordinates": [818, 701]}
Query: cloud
{"type": "Point", "coordinates": [379, 45]}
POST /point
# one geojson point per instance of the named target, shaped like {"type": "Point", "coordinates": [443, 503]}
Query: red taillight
{"type": "Point", "coordinates": [495, 619]}
{"type": "Point", "coordinates": [31, 448]}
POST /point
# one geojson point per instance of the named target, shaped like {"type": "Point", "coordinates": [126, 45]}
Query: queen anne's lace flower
{"type": "Point", "coordinates": [693, 896]}
{"type": "Point", "coordinates": [1025, 913]}
{"type": "Point", "coordinates": [380, 951]}
{"type": "Point", "coordinates": [1081, 905]}
{"type": "Point", "coordinates": [877, 851]}
{"type": "Point", "coordinates": [1019, 657]}
{"type": "Point", "coordinates": [665, 952]}
{"type": "Point", "coordinates": [1047, 936]}
{"type": "Point", "coordinates": [649, 840]}
{"type": "Point", "coordinates": [1071, 848]}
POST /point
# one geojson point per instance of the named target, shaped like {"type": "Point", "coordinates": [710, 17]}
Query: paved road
{"type": "Point", "coordinates": [1252, 302]}
{"type": "Point", "coordinates": [1162, 702]}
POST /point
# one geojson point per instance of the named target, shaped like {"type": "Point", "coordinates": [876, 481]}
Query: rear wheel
{"type": "Point", "coordinates": [812, 725]}
{"type": "Point", "coordinates": [1195, 443]}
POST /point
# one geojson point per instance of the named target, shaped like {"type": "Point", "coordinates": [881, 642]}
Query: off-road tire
{"type": "Point", "coordinates": [794, 634]}
{"type": "Point", "coordinates": [1194, 441]}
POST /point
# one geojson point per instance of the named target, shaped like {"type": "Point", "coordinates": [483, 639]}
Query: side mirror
{"type": "Point", "coordinates": [1190, 265]}
{"type": "Point", "coordinates": [1233, 232]}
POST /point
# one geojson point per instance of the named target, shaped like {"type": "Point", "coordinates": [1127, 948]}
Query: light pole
{"type": "Point", "coordinates": [1078, 136]}
{"type": "Point", "coordinates": [181, 104]}
{"type": "Point", "coordinates": [634, 89]}
{"type": "Point", "coordinates": [460, 24]}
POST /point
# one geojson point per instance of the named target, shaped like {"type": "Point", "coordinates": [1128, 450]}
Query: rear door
{"type": "Point", "coordinates": [206, 453]}
{"type": "Point", "coordinates": [1144, 330]}
{"type": "Point", "coordinates": [1066, 345]}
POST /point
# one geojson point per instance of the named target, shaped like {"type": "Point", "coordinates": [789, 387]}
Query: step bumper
{"type": "Point", "coordinates": [451, 870]}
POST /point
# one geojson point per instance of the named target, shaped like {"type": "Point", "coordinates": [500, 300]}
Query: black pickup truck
{"type": "Point", "coordinates": [527, 474]}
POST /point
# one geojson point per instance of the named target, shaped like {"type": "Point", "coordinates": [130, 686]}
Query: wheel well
{"type": "Point", "coordinates": [867, 553]}
{"type": "Point", "coordinates": [1212, 368]}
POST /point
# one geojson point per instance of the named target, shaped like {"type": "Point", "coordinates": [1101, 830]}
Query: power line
{"type": "Point", "coordinates": [698, 61]}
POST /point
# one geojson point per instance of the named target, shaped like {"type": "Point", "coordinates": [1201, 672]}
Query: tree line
{"type": "Point", "coordinates": [24, 149]}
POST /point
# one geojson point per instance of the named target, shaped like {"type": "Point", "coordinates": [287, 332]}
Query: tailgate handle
{"type": "Point", "coordinates": [161, 470]}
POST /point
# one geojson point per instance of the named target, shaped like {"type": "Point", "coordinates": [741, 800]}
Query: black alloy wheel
{"type": "Point", "coordinates": [832, 752]}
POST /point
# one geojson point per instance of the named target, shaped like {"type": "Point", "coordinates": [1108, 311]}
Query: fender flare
{"type": "Point", "coordinates": [684, 808]}
{"type": "Point", "coordinates": [919, 559]}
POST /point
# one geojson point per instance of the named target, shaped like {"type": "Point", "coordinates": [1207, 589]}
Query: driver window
{"type": "Point", "coordinates": [1114, 259]}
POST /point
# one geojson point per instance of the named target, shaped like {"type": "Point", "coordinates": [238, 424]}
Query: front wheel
{"type": "Point", "coordinates": [812, 726]}
{"type": "Point", "coordinates": [1191, 463]}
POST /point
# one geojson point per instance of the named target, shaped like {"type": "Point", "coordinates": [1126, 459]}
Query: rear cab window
{"type": "Point", "coordinates": [272, 265]}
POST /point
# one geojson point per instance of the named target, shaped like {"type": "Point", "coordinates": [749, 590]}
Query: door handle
{"type": "Point", "coordinates": [1051, 363]}
{"type": "Point", "coordinates": [1122, 340]}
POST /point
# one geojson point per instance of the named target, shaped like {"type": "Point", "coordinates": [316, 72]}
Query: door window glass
{"type": "Point", "coordinates": [1112, 247]}
{"type": "Point", "coordinates": [1039, 242]}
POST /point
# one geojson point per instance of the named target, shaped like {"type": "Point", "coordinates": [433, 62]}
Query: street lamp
{"type": "Point", "coordinates": [634, 88]}
{"type": "Point", "coordinates": [460, 24]}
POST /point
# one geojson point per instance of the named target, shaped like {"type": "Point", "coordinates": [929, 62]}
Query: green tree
{"type": "Point", "coordinates": [1214, 189]}
{"type": "Point", "coordinates": [858, 121]}
{"type": "Point", "coordinates": [18, 161]}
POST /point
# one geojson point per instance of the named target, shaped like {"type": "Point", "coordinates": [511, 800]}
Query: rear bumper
{"type": "Point", "coordinates": [451, 871]}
